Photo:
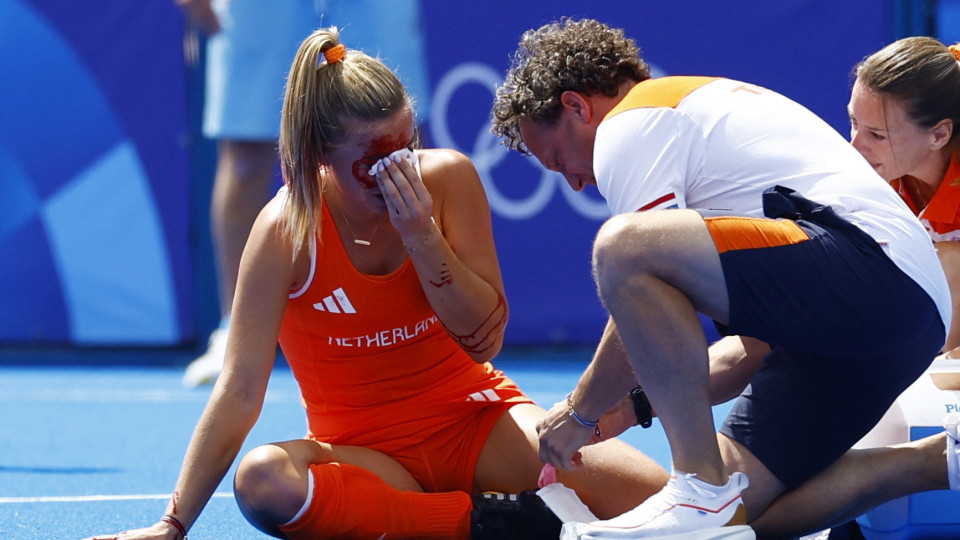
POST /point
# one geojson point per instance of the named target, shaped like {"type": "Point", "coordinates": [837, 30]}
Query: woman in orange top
{"type": "Point", "coordinates": [904, 112]}
{"type": "Point", "coordinates": [375, 268]}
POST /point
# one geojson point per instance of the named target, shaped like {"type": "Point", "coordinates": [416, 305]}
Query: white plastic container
{"type": "Point", "coordinates": [917, 413]}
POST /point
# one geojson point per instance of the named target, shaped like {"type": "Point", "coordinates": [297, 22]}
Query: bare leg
{"type": "Point", "coordinates": [654, 271]}
{"type": "Point", "coordinates": [764, 486]}
{"type": "Point", "coordinates": [949, 253]}
{"type": "Point", "coordinates": [614, 479]}
{"type": "Point", "coordinates": [857, 482]}
{"type": "Point", "coordinates": [240, 189]}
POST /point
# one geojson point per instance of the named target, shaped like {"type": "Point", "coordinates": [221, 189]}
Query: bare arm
{"type": "Point", "coordinates": [265, 278]}
{"type": "Point", "coordinates": [266, 274]}
{"type": "Point", "coordinates": [444, 220]}
{"type": "Point", "coordinates": [734, 360]}
{"type": "Point", "coordinates": [600, 389]}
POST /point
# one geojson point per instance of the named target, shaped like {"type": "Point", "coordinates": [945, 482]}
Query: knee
{"type": "Point", "coordinates": [611, 244]}
{"type": "Point", "coordinates": [267, 486]}
{"type": "Point", "coordinates": [618, 253]}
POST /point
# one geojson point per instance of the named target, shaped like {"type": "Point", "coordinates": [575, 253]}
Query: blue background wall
{"type": "Point", "coordinates": [104, 184]}
{"type": "Point", "coordinates": [94, 207]}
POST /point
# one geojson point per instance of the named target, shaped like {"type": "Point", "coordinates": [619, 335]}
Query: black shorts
{"type": "Point", "coordinates": [849, 331]}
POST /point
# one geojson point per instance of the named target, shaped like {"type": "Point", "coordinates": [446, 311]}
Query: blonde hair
{"type": "Point", "coordinates": [324, 104]}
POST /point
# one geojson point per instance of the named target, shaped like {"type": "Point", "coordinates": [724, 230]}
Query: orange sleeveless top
{"type": "Point", "coordinates": [369, 352]}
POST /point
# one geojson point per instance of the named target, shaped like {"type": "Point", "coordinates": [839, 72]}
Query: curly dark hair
{"type": "Point", "coordinates": [584, 56]}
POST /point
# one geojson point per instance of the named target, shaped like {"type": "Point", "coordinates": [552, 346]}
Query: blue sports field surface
{"type": "Point", "coordinates": [93, 450]}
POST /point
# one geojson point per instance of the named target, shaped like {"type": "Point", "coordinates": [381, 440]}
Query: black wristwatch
{"type": "Point", "coordinates": [641, 407]}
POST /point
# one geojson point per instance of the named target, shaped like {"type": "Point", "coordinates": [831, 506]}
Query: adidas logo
{"type": "Point", "coordinates": [489, 394]}
{"type": "Point", "coordinates": [336, 303]}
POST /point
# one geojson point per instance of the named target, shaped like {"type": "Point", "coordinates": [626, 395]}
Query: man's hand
{"type": "Point", "coordinates": [200, 15]}
{"type": "Point", "coordinates": [561, 438]}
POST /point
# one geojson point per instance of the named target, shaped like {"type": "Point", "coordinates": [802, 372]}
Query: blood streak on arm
{"type": "Point", "coordinates": [446, 278]}
{"type": "Point", "coordinates": [484, 336]}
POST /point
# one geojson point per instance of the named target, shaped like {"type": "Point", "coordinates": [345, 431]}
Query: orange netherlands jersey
{"type": "Point", "coordinates": [369, 353]}
{"type": "Point", "coordinates": [941, 216]}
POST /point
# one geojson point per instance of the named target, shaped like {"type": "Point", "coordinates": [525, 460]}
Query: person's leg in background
{"type": "Point", "coordinates": [241, 186]}
{"type": "Point", "coordinates": [247, 65]}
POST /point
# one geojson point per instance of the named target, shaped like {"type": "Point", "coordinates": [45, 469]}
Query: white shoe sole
{"type": "Point", "coordinates": [737, 532]}
{"type": "Point", "coordinates": [206, 368]}
{"type": "Point", "coordinates": [200, 372]}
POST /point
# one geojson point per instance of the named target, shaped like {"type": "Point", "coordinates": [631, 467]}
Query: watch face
{"type": "Point", "coordinates": [641, 407]}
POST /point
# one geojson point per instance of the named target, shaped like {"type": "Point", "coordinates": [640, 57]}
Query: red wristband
{"type": "Point", "coordinates": [176, 524]}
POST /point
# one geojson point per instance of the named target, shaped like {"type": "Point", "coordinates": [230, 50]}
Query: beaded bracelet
{"type": "Point", "coordinates": [176, 525]}
{"type": "Point", "coordinates": [595, 426]}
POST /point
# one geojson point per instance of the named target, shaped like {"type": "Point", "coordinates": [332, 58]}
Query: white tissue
{"type": "Point", "coordinates": [404, 153]}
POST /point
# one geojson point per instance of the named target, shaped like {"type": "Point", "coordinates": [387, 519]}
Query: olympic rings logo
{"type": "Point", "coordinates": [487, 153]}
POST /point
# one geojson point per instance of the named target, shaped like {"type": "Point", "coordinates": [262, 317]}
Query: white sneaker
{"type": "Point", "coordinates": [684, 509]}
{"type": "Point", "coordinates": [206, 368]}
{"type": "Point", "coordinates": [571, 531]}
{"type": "Point", "coordinates": [953, 449]}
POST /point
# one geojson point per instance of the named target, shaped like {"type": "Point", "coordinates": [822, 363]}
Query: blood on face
{"type": "Point", "coordinates": [379, 148]}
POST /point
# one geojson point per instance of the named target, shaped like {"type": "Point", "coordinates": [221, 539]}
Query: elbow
{"type": "Point", "coordinates": [488, 353]}
{"type": "Point", "coordinates": [244, 404]}
{"type": "Point", "coordinates": [481, 349]}
{"type": "Point", "coordinates": [485, 343]}
{"type": "Point", "coordinates": [247, 416]}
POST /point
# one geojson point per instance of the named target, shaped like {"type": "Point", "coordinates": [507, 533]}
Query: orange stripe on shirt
{"type": "Point", "coordinates": [734, 232]}
{"type": "Point", "coordinates": [663, 92]}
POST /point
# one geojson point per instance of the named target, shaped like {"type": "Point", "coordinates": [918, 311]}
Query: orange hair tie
{"type": "Point", "coordinates": [955, 49]}
{"type": "Point", "coordinates": [332, 55]}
